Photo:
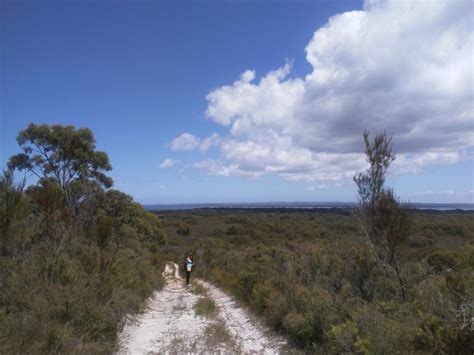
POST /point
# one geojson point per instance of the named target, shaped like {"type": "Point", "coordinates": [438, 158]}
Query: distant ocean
{"type": "Point", "coordinates": [308, 205]}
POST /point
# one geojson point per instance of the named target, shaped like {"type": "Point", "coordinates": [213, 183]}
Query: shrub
{"type": "Point", "coordinates": [232, 230]}
{"type": "Point", "coordinates": [429, 335]}
{"type": "Point", "coordinates": [343, 338]}
{"type": "Point", "coordinates": [277, 307]}
{"type": "Point", "coordinates": [183, 229]}
{"type": "Point", "coordinates": [441, 261]}
{"type": "Point", "coordinates": [245, 282]}
{"type": "Point", "coordinates": [299, 328]}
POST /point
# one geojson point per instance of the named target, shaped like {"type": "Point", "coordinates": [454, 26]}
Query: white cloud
{"type": "Point", "coordinates": [216, 168]}
{"type": "Point", "coordinates": [320, 187]}
{"type": "Point", "coordinates": [187, 142]}
{"type": "Point", "coordinates": [184, 142]}
{"type": "Point", "coordinates": [212, 140]}
{"type": "Point", "coordinates": [248, 76]}
{"type": "Point", "coordinates": [423, 193]}
{"type": "Point", "coordinates": [167, 163]}
{"type": "Point", "coordinates": [400, 66]}
{"type": "Point", "coordinates": [453, 196]}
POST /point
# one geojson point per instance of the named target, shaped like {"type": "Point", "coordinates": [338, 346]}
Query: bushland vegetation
{"type": "Point", "coordinates": [75, 255]}
{"type": "Point", "coordinates": [310, 275]}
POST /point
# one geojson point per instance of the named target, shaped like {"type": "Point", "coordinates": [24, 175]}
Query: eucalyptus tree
{"type": "Point", "coordinates": [64, 155]}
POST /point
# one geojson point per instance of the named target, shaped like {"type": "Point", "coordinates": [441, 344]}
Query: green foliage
{"type": "Point", "coordinates": [441, 261]}
{"type": "Point", "coordinates": [183, 229]}
{"type": "Point", "coordinates": [431, 334]}
{"type": "Point", "coordinates": [455, 283]}
{"type": "Point", "coordinates": [235, 230]}
{"type": "Point", "coordinates": [69, 276]}
{"type": "Point", "coordinates": [380, 155]}
{"type": "Point", "coordinates": [308, 275]}
{"type": "Point", "coordinates": [246, 281]}
{"type": "Point", "coordinates": [103, 230]}
{"type": "Point", "coordinates": [12, 209]}
{"type": "Point", "coordinates": [64, 155]}
{"type": "Point", "coordinates": [298, 327]}
{"type": "Point", "coordinates": [344, 338]}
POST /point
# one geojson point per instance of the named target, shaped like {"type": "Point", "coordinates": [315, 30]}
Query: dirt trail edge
{"type": "Point", "coordinates": [170, 323]}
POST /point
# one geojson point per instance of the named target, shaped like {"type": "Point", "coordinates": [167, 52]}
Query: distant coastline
{"type": "Point", "coordinates": [299, 205]}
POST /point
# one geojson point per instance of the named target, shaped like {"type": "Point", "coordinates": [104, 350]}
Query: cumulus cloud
{"type": "Point", "coordinates": [167, 163]}
{"type": "Point", "coordinates": [400, 66]}
{"type": "Point", "coordinates": [188, 141]}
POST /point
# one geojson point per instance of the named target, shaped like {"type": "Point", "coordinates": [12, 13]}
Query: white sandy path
{"type": "Point", "coordinates": [170, 325]}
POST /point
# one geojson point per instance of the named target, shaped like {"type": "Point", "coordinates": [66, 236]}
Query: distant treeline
{"type": "Point", "coordinates": [333, 210]}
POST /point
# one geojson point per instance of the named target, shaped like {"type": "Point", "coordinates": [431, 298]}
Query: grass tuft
{"type": "Point", "coordinates": [198, 289]}
{"type": "Point", "coordinates": [206, 307]}
{"type": "Point", "coordinates": [217, 335]}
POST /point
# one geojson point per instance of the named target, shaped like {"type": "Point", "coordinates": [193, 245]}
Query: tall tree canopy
{"type": "Point", "coordinates": [62, 154]}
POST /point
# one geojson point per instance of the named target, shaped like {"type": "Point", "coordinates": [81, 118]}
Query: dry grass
{"type": "Point", "coordinates": [217, 336]}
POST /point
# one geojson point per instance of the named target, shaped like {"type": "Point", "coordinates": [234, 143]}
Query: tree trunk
{"type": "Point", "coordinates": [400, 280]}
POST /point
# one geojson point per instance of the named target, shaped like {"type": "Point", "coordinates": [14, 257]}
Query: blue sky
{"type": "Point", "coordinates": [262, 78]}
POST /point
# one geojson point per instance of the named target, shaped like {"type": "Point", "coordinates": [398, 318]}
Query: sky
{"type": "Point", "coordinates": [249, 101]}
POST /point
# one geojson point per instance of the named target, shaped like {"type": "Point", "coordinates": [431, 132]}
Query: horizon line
{"type": "Point", "coordinates": [292, 202]}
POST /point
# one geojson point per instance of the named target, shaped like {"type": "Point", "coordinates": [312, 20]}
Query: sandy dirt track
{"type": "Point", "coordinates": [170, 324]}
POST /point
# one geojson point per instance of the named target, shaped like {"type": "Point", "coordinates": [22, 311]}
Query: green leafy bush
{"type": "Point", "coordinates": [441, 261]}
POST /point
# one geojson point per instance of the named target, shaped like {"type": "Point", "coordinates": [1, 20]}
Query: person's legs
{"type": "Point", "coordinates": [187, 277]}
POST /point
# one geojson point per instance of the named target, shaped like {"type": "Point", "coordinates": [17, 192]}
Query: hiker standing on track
{"type": "Point", "coordinates": [188, 267]}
